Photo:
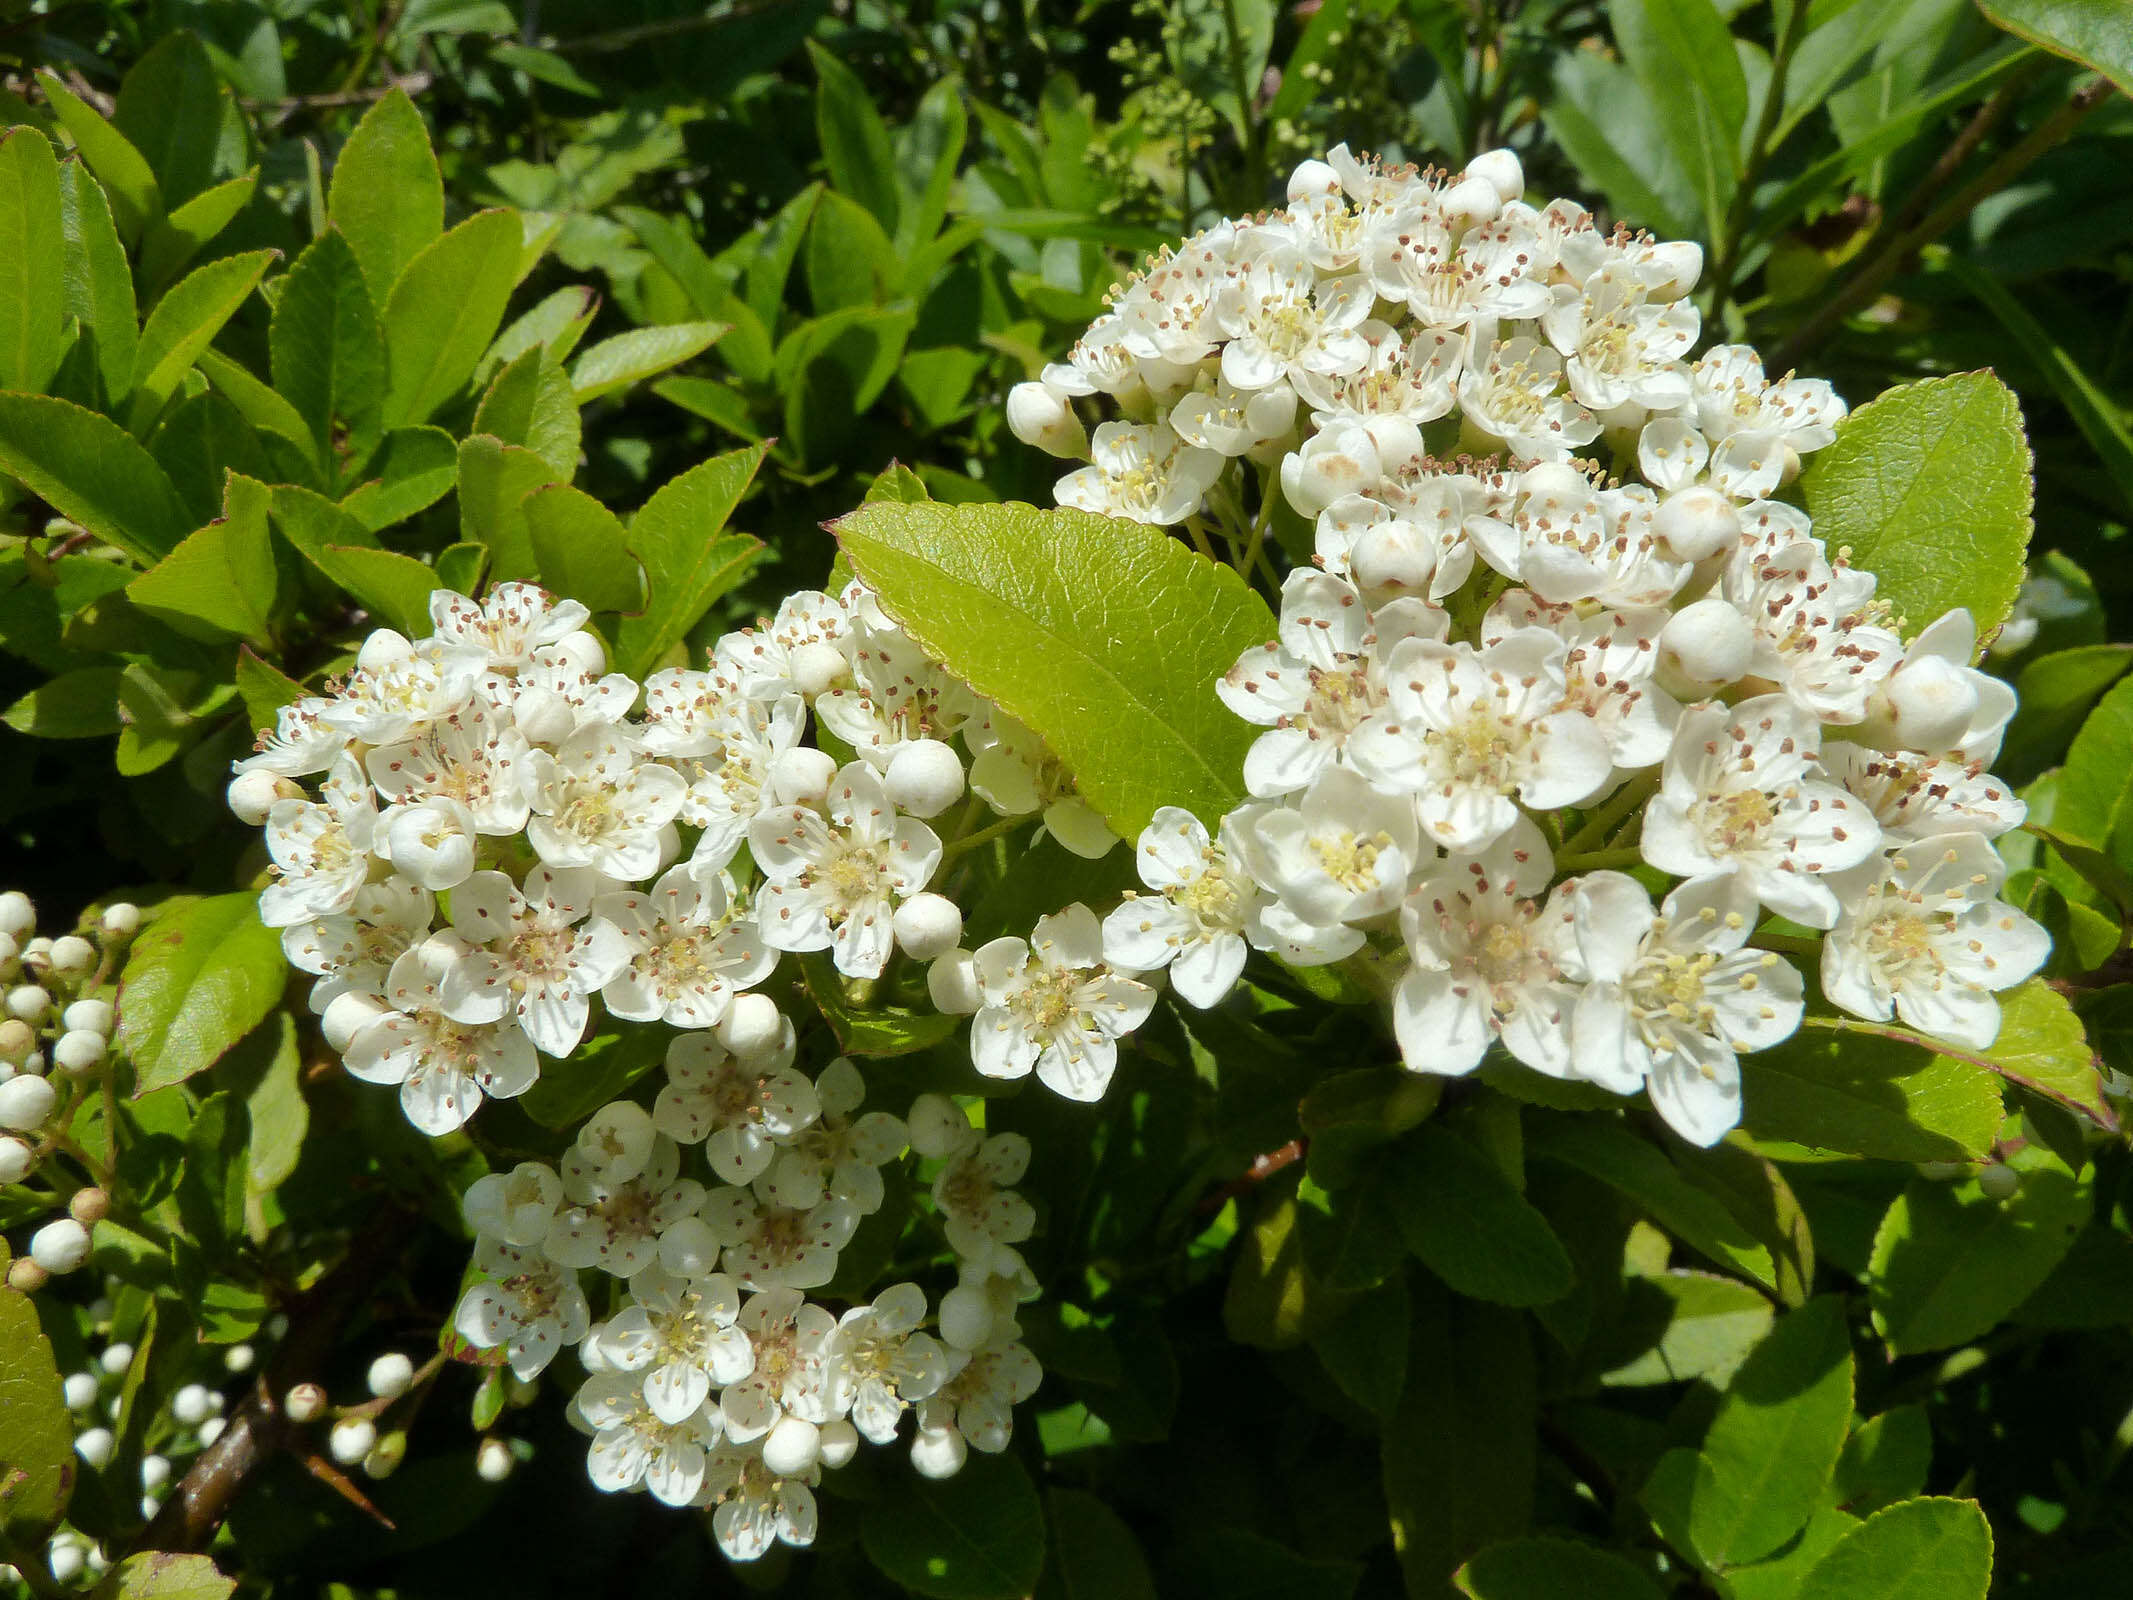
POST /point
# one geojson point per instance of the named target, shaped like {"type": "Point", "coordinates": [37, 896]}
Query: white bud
{"type": "Point", "coordinates": [1313, 180]}
{"type": "Point", "coordinates": [251, 795]}
{"type": "Point", "coordinates": [818, 667]}
{"type": "Point", "coordinates": [966, 1317]}
{"type": "Point", "coordinates": [1671, 267]}
{"type": "Point", "coordinates": [1471, 200]}
{"type": "Point", "coordinates": [1338, 460]}
{"type": "Point", "coordinates": [1393, 554]}
{"type": "Point", "coordinates": [938, 1127]}
{"type": "Point", "coordinates": [1705, 646]}
{"type": "Point", "coordinates": [116, 1358]}
{"type": "Point", "coordinates": [26, 1103]}
{"type": "Point", "coordinates": [1696, 522]}
{"type": "Point", "coordinates": [1042, 417]}
{"type": "Point", "coordinates": [194, 1404]}
{"type": "Point", "coordinates": [18, 1041]}
{"type": "Point", "coordinates": [383, 1459]}
{"type": "Point", "coordinates": [121, 919]}
{"type": "Point", "coordinates": [493, 1461]}
{"type": "Point", "coordinates": [10, 951]}
{"type": "Point", "coordinates": [79, 1051]}
{"type": "Point", "coordinates": [390, 1376]}
{"type": "Point", "coordinates": [60, 1246]}
{"type": "Point", "coordinates": [952, 984]}
{"type": "Point", "coordinates": [752, 1025]}
{"type": "Point", "coordinates": [924, 778]}
{"type": "Point", "coordinates": [801, 776]}
{"type": "Point", "coordinates": [17, 916]}
{"type": "Point", "coordinates": [304, 1403]}
{"type": "Point", "coordinates": [28, 1003]}
{"type": "Point", "coordinates": [65, 1561]}
{"type": "Point", "coordinates": [79, 1390]}
{"type": "Point", "coordinates": [351, 1439]}
{"type": "Point", "coordinates": [94, 1446]}
{"type": "Point", "coordinates": [928, 925]}
{"type": "Point", "coordinates": [792, 1446]}
{"type": "Point", "coordinates": [238, 1358]}
{"type": "Point", "coordinates": [155, 1471]}
{"type": "Point", "coordinates": [348, 1014]}
{"type": "Point", "coordinates": [837, 1443]}
{"type": "Point", "coordinates": [16, 1159]}
{"type": "Point", "coordinates": [543, 716]}
{"type": "Point", "coordinates": [73, 955]}
{"type": "Point", "coordinates": [689, 1249]}
{"type": "Point", "coordinates": [1926, 705]}
{"type": "Point", "coordinates": [1500, 170]}
{"type": "Point", "coordinates": [92, 1016]}
{"type": "Point", "coordinates": [939, 1452]}
{"type": "Point", "coordinates": [433, 842]}
{"type": "Point", "coordinates": [2000, 1182]}
{"type": "Point", "coordinates": [211, 1430]}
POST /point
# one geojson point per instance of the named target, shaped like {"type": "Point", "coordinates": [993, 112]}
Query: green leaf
{"type": "Point", "coordinates": [174, 240]}
{"type": "Point", "coordinates": [641, 353]}
{"type": "Point", "coordinates": [38, 1434]}
{"type": "Point", "coordinates": [688, 560]}
{"type": "Point", "coordinates": [849, 260]}
{"type": "Point", "coordinates": [93, 473]}
{"type": "Point", "coordinates": [99, 283]}
{"type": "Point", "coordinates": [328, 352]}
{"type": "Point", "coordinates": [1951, 1262]}
{"type": "Point", "coordinates": [2042, 1047]}
{"type": "Point", "coordinates": [1552, 1569]}
{"type": "Point", "coordinates": [2056, 693]}
{"type": "Point", "coordinates": [1094, 1555]}
{"type": "Point", "coordinates": [119, 167]}
{"type": "Point", "coordinates": [264, 689]}
{"type": "Point", "coordinates": [1885, 1460]}
{"type": "Point", "coordinates": [928, 153]}
{"type": "Point", "coordinates": [1364, 1349]}
{"type": "Point", "coordinates": [1867, 1096]}
{"type": "Point", "coordinates": [1461, 1215]}
{"type": "Point", "coordinates": [1772, 1447]}
{"type": "Point", "coordinates": [855, 141]}
{"type": "Point", "coordinates": [1606, 121]}
{"type": "Point", "coordinates": [976, 1536]}
{"type": "Point", "coordinates": [266, 1070]}
{"type": "Point", "coordinates": [260, 404]}
{"type": "Point", "coordinates": [173, 109]}
{"type": "Point", "coordinates": [166, 1575]}
{"type": "Point", "coordinates": [530, 404]}
{"type": "Point", "coordinates": [1105, 637]}
{"type": "Point", "coordinates": [417, 468]}
{"type": "Point", "coordinates": [211, 1188]}
{"type": "Point", "coordinates": [1710, 1325]}
{"type": "Point", "coordinates": [444, 310]}
{"type": "Point", "coordinates": [554, 325]}
{"type": "Point", "coordinates": [387, 195]}
{"type": "Point", "coordinates": [2094, 800]}
{"type": "Point", "coordinates": [1274, 1301]}
{"type": "Point", "coordinates": [460, 566]}
{"type": "Point", "coordinates": [602, 1069]}
{"type": "Point", "coordinates": [2092, 32]}
{"type": "Point", "coordinates": [184, 323]}
{"type": "Point", "coordinates": [34, 242]}
{"type": "Point", "coordinates": [81, 704]}
{"type": "Point", "coordinates": [394, 586]}
{"type": "Point", "coordinates": [201, 440]}
{"type": "Point", "coordinates": [1780, 1577]}
{"type": "Point", "coordinates": [1459, 1453]}
{"type": "Point", "coordinates": [197, 980]}
{"type": "Point", "coordinates": [494, 480]}
{"type": "Point", "coordinates": [582, 549]}
{"type": "Point", "coordinates": [220, 578]}
{"type": "Point", "coordinates": [1916, 1550]}
{"type": "Point", "coordinates": [1928, 487]}
{"type": "Point", "coordinates": [1682, 52]}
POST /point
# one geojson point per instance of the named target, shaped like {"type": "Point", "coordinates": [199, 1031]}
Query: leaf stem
{"type": "Point", "coordinates": [1597, 860]}
{"type": "Point", "coordinates": [1601, 822]}
{"type": "Point", "coordinates": [986, 835]}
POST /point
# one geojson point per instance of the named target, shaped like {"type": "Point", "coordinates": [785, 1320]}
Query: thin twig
{"type": "Point", "coordinates": [413, 83]}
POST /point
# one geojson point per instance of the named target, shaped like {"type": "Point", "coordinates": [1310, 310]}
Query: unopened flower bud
{"type": "Point", "coordinates": [390, 1376]}
{"type": "Point", "coordinates": [433, 842]}
{"type": "Point", "coordinates": [1926, 705]}
{"type": "Point", "coordinates": [17, 1040]}
{"type": "Point", "coordinates": [836, 1443]}
{"type": "Point", "coordinates": [801, 776]}
{"type": "Point", "coordinates": [383, 1459]}
{"type": "Point", "coordinates": [543, 716]}
{"type": "Point", "coordinates": [29, 1003]}
{"type": "Point", "coordinates": [89, 1206]}
{"type": "Point", "coordinates": [1705, 646]}
{"type": "Point", "coordinates": [72, 955]}
{"type": "Point", "coordinates": [79, 1051]}
{"type": "Point", "coordinates": [928, 925]}
{"type": "Point", "coordinates": [16, 1159]}
{"type": "Point", "coordinates": [211, 1430]}
{"type": "Point", "coordinates": [924, 778]}
{"type": "Point", "coordinates": [94, 1446]}
{"type": "Point", "coordinates": [1313, 180]}
{"type": "Point", "coordinates": [966, 1317]}
{"type": "Point", "coordinates": [938, 1126]}
{"type": "Point", "coordinates": [155, 1471]}
{"type": "Point", "coordinates": [938, 1452]}
{"type": "Point", "coordinates": [91, 1016]}
{"type": "Point", "coordinates": [194, 1404]}
{"type": "Point", "coordinates": [238, 1358]}
{"type": "Point", "coordinates": [25, 1275]}
{"type": "Point", "coordinates": [305, 1403]}
{"type": "Point", "coordinates": [792, 1446]}
{"type": "Point", "coordinates": [1338, 460]}
{"type": "Point", "coordinates": [65, 1560]}
{"type": "Point", "coordinates": [1469, 201]}
{"type": "Point", "coordinates": [351, 1440]}
{"type": "Point", "coordinates": [751, 1026]}
{"type": "Point", "coordinates": [493, 1461]}
{"type": "Point", "coordinates": [60, 1246]}
{"type": "Point", "coordinates": [1671, 268]}
{"type": "Point", "coordinates": [116, 1358]}
{"type": "Point", "coordinates": [1043, 418]}
{"type": "Point", "coordinates": [818, 667]}
{"type": "Point", "coordinates": [17, 916]}
{"type": "Point", "coordinates": [1501, 171]}
{"type": "Point", "coordinates": [252, 795]}
{"type": "Point", "coordinates": [952, 984]}
{"type": "Point", "coordinates": [79, 1390]}
{"type": "Point", "coordinates": [121, 920]}
{"type": "Point", "coordinates": [1999, 1181]}
{"type": "Point", "coordinates": [1393, 554]}
{"type": "Point", "coordinates": [26, 1103]}
{"type": "Point", "coordinates": [1696, 522]}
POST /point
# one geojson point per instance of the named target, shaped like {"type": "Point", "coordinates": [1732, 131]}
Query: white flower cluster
{"type": "Point", "coordinates": [1510, 672]}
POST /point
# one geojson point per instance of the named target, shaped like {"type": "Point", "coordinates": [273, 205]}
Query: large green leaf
{"type": "Point", "coordinates": [494, 480]}
{"type": "Point", "coordinates": [1552, 1569]}
{"type": "Point", "coordinates": [1461, 1215]}
{"type": "Point", "coordinates": [99, 283]}
{"type": "Point", "coordinates": [119, 167]}
{"type": "Point", "coordinates": [36, 1434]}
{"type": "Point", "coordinates": [1951, 1262]}
{"type": "Point", "coordinates": [1928, 487]}
{"type": "Point", "coordinates": [78, 704]}
{"type": "Point", "coordinates": [198, 979]}
{"type": "Point", "coordinates": [92, 471]}
{"type": "Point", "coordinates": [1915, 1550]}
{"type": "Point", "coordinates": [220, 578]}
{"type": "Point", "coordinates": [641, 353]}
{"type": "Point", "coordinates": [1771, 1449]}
{"type": "Point", "coordinates": [1106, 637]}
{"type": "Point", "coordinates": [33, 256]}
{"type": "Point", "coordinates": [387, 195]}
{"type": "Point", "coordinates": [414, 469]}
{"type": "Point", "coordinates": [327, 349]}
{"type": "Point", "coordinates": [976, 1536]}
{"type": "Point", "coordinates": [1094, 1555]}
{"type": "Point", "coordinates": [395, 587]}
{"type": "Point", "coordinates": [444, 310]}
{"type": "Point", "coordinates": [1682, 52]}
{"type": "Point", "coordinates": [170, 242]}
{"type": "Point", "coordinates": [2093, 804]}
{"type": "Point", "coordinates": [166, 1575]}
{"type": "Point", "coordinates": [855, 141]}
{"type": "Point", "coordinates": [183, 324]}
{"type": "Point", "coordinates": [2092, 32]}
{"type": "Point", "coordinates": [1885, 1460]}
{"type": "Point", "coordinates": [689, 561]}
{"type": "Point", "coordinates": [1858, 1094]}
{"type": "Point", "coordinates": [529, 404]}
{"type": "Point", "coordinates": [174, 109]}
{"type": "Point", "coordinates": [582, 549]}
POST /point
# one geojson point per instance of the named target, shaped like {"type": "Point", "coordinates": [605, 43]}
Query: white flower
{"type": "Point", "coordinates": [898, 693]}
{"type": "Point", "coordinates": [834, 878]}
{"type": "Point", "coordinates": [539, 957]}
{"type": "Point", "coordinates": [1055, 1007]}
{"type": "Point", "coordinates": [1673, 456]}
{"type": "Point", "coordinates": [596, 805]}
{"type": "Point", "coordinates": [1232, 421]}
{"type": "Point", "coordinates": [633, 1444]}
{"type": "Point", "coordinates": [1916, 797]}
{"type": "Point", "coordinates": [803, 650]}
{"type": "Point", "coordinates": [525, 1305]}
{"type": "Point", "coordinates": [1935, 702]}
{"type": "Point", "coordinates": [1167, 317]}
{"type": "Point", "coordinates": [1815, 634]}
{"type": "Point", "coordinates": [1449, 279]}
{"type": "Point", "coordinates": [779, 1247]}
{"type": "Point", "coordinates": [1515, 394]}
{"type": "Point", "coordinates": [1196, 925]}
{"type": "Point", "coordinates": [739, 1110]}
{"type": "Point", "coordinates": [692, 948]}
{"type": "Point", "coordinates": [353, 951]}
{"type": "Point", "coordinates": [470, 756]}
{"type": "Point", "coordinates": [1014, 772]}
{"type": "Point", "coordinates": [729, 788]}
{"type": "Point", "coordinates": [1408, 379]}
{"type": "Point", "coordinates": [1740, 792]}
{"type": "Point", "coordinates": [443, 1066]}
{"type": "Point", "coordinates": [515, 1207]}
{"type": "Point", "coordinates": [300, 742]}
{"type": "Point", "coordinates": [1489, 961]}
{"type": "Point", "coordinates": [1342, 853]}
{"type": "Point", "coordinates": [1623, 352]}
{"type": "Point", "coordinates": [1607, 672]}
{"type": "Point", "coordinates": [978, 1401]}
{"type": "Point", "coordinates": [566, 686]}
{"type": "Point", "coordinates": [756, 1507]}
{"type": "Point", "coordinates": [882, 1362]}
{"type": "Point", "coordinates": [974, 1194]}
{"type": "Point", "coordinates": [400, 688]}
{"type": "Point", "coordinates": [1283, 321]}
{"type": "Point", "coordinates": [1415, 545]}
{"type": "Point", "coordinates": [320, 849]}
{"type": "Point", "coordinates": [1465, 729]}
{"type": "Point", "coordinates": [1144, 473]}
{"type": "Point", "coordinates": [789, 1337]}
{"type": "Point", "coordinates": [679, 1332]}
{"type": "Point", "coordinates": [1925, 938]}
{"type": "Point", "coordinates": [615, 1226]}
{"type": "Point", "coordinates": [1670, 999]}
{"type": "Point", "coordinates": [1733, 397]}
{"type": "Point", "coordinates": [839, 1152]}
{"type": "Point", "coordinates": [513, 621]}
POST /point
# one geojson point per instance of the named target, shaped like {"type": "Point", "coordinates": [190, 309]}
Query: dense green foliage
{"type": "Point", "coordinates": [306, 310]}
